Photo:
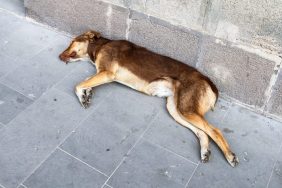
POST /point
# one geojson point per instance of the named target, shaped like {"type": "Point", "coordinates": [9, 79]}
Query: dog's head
{"type": "Point", "coordinates": [77, 49]}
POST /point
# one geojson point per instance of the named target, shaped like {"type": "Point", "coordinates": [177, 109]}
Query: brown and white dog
{"type": "Point", "coordinates": [189, 93]}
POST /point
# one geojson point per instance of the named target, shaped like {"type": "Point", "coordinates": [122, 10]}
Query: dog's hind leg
{"type": "Point", "coordinates": [202, 136]}
{"type": "Point", "coordinates": [84, 89]}
{"type": "Point", "coordinates": [215, 134]}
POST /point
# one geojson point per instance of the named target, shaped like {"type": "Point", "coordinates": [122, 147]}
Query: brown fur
{"type": "Point", "coordinates": [190, 94]}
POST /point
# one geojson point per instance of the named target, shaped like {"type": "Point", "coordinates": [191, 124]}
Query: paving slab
{"type": "Point", "coordinates": [64, 171]}
{"type": "Point", "coordinates": [150, 166]}
{"type": "Point", "coordinates": [34, 133]}
{"type": "Point", "coordinates": [11, 104]}
{"type": "Point", "coordinates": [107, 186]}
{"type": "Point", "coordinates": [45, 67]}
{"type": "Point", "coordinates": [12, 23]}
{"type": "Point", "coordinates": [164, 130]}
{"type": "Point", "coordinates": [32, 39]}
{"type": "Point", "coordinates": [276, 178]}
{"type": "Point", "coordinates": [22, 186]}
{"type": "Point", "coordinates": [256, 141]}
{"type": "Point", "coordinates": [15, 6]}
{"type": "Point", "coordinates": [112, 129]}
{"type": "Point", "coordinates": [7, 65]}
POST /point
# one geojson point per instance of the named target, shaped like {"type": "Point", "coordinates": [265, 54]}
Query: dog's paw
{"type": "Point", "coordinates": [84, 97]}
{"type": "Point", "coordinates": [205, 156]}
{"type": "Point", "coordinates": [233, 160]}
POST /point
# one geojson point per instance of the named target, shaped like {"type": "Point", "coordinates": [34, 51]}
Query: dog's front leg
{"type": "Point", "coordinates": [84, 89]}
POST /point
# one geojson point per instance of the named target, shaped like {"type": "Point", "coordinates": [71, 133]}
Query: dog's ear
{"type": "Point", "coordinates": [92, 35]}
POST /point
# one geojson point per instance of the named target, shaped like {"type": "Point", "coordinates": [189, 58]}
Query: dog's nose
{"type": "Point", "coordinates": [62, 57]}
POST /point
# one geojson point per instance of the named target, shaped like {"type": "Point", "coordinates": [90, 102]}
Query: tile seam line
{"type": "Point", "coordinates": [272, 170]}
{"type": "Point", "coordinates": [28, 59]}
{"type": "Point", "coordinates": [83, 162]}
{"type": "Point", "coordinates": [128, 152]}
{"type": "Point", "coordinates": [168, 150]}
{"type": "Point", "coordinates": [1, 186]}
{"type": "Point", "coordinates": [33, 99]}
{"type": "Point", "coordinates": [1, 82]}
{"type": "Point", "coordinates": [108, 186]}
{"type": "Point", "coordinates": [52, 151]}
{"type": "Point", "coordinates": [23, 185]}
{"type": "Point", "coordinates": [11, 13]}
{"type": "Point", "coordinates": [194, 171]}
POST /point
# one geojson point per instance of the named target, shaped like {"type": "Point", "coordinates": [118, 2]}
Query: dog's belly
{"type": "Point", "coordinates": [125, 77]}
{"type": "Point", "coordinates": [160, 88]}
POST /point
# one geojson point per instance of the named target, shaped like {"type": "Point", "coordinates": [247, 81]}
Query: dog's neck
{"type": "Point", "coordinates": [94, 47]}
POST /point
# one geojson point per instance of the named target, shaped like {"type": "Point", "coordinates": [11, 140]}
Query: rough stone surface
{"type": "Point", "coordinates": [163, 38]}
{"type": "Point", "coordinates": [79, 16]}
{"type": "Point", "coordinates": [241, 75]}
{"type": "Point", "coordinates": [252, 21]}
{"type": "Point", "coordinates": [182, 12]}
{"type": "Point", "coordinates": [275, 102]}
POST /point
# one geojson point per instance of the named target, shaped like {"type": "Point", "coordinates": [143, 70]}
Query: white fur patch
{"type": "Point", "coordinates": [160, 89]}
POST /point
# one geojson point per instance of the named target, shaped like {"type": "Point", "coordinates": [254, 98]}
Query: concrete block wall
{"type": "Point", "coordinates": [236, 43]}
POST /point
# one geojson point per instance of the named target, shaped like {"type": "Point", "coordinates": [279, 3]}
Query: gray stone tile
{"type": "Point", "coordinates": [81, 71]}
{"type": "Point", "coordinates": [21, 186]}
{"type": "Point", "coordinates": [108, 134]}
{"type": "Point", "coordinates": [41, 72]}
{"type": "Point", "coordinates": [7, 65]}
{"type": "Point", "coordinates": [12, 24]}
{"type": "Point", "coordinates": [256, 141]}
{"type": "Point", "coordinates": [31, 40]}
{"type": "Point", "coordinates": [220, 110]}
{"type": "Point", "coordinates": [11, 104]}
{"type": "Point", "coordinates": [33, 134]}
{"type": "Point", "coordinates": [1, 126]}
{"type": "Point", "coordinates": [107, 186]}
{"type": "Point", "coordinates": [166, 132]}
{"type": "Point", "coordinates": [16, 6]}
{"type": "Point", "coordinates": [64, 171]}
{"type": "Point", "coordinates": [151, 166]}
{"type": "Point", "coordinates": [276, 178]}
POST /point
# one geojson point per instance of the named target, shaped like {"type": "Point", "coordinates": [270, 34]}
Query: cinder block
{"type": "Point", "coordinates": [275, 103]}
{"type": "Point", "coordinates": [252, 21]}
{"type": "Point", "coordinates": [181, 12]}
{"type": "Point", "coordinates": [237, 73]}
{"type": "Point", "coordinates": [78, 16]}
{"type": "Point", "coordinates": [163, 38]}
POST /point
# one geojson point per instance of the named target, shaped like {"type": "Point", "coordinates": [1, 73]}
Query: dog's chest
{"type": "Point", "coordinates": [124, 76]}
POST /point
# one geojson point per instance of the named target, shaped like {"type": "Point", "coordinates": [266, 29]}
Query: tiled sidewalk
{"type": "Point", "coordinates": [125, 139]}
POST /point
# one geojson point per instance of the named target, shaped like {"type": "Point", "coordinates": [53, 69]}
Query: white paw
{"type": "Point", "coordinates": [84, 96]}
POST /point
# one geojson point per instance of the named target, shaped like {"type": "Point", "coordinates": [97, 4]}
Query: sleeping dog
{"type": "Point", "coordinates": [189, 93]}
